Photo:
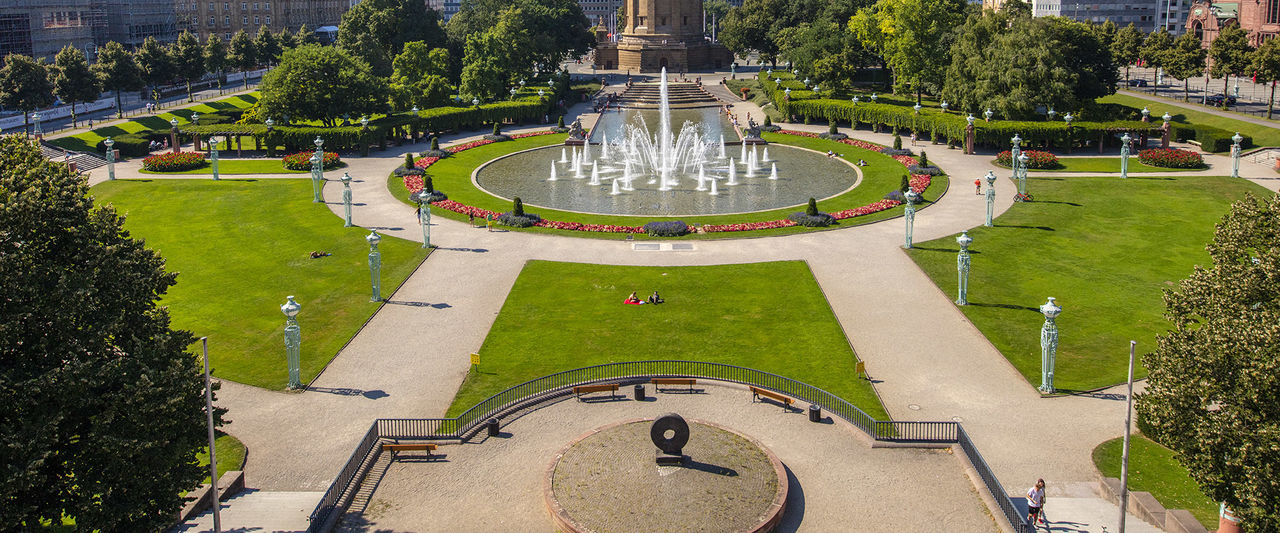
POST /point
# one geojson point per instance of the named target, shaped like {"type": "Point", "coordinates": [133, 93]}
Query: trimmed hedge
{"type": "Point", "coordinates": [129, 144]}
{"type": "Point", "coordinates": [1211, 139]}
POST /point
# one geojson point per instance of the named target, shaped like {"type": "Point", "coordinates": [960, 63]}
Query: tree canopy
{"type": "Point", "coordinates": [267, 46]}
{"type": "Point", "coordinates": [103, 404]}
{"type": "Point", "coordinates": [242, 53]}
{"type": "Point", "coordinates": [215, 56]}
{"type": "Point", "coordinates": [24, 85]}
{"type": "Point", "coordinates": [73, 82]}
{"type": "Point", "coordinates": [1214, 377]}
{"type": "Point", "coordinates": [376, 30]}
{"type": "Point", "coordinates": [756, 26]}
{"type": "Point", "coordinates": [322, 83]}
{"type": "Point", "coordinates": [156, 63]}
{"type": "Point", "coordinates": [1266, 66]}
{"type": "Point", "coordinates": [1126, 47]}
{"type": "Point", "coordinates": [1184, 60]}
{"type": "Point", "coordinates": [552, 30]}
{"type": "Point", "coordinates": [1229, 54]}
{"type": "Point", "coordinates": [188, 59]}
{"type": "Point", "coordinates": [914, 38]}
{"type": "Point", "coordinates": [420, 77]}
{"type": "Point", "coordinates": [117, 70]}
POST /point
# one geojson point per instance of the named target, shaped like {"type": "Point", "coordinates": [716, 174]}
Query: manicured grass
{"type": "Point", "coordinates": [231, 454]}
{"type": "Point", "coordinates": [1104, 247]}
{"type": "Point", "coordinates": [767, 316]}
{"type": "Point", "coordinates": [881, 175]}
{"type": "Point", "coordinates": [240, 166]}
{"type": "Point", "coordinates": [88, 141]}
{"type": "Point", "coordinates": [1262, 135]}
{"type": "Point", "coordinates": [1102, 164]}
{"type": "Point", "coordinates": [240, 247]}
{"type": "Point", "coordinates": [1153, 468]}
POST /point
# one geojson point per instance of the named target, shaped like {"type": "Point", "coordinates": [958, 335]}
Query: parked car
{"type": "Point", "coordinates": [1216, 100]}
{"type": "Point", "coordinates": [1137, 83]}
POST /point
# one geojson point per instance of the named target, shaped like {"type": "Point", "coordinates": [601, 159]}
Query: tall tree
{"type": "Point", "coordinates": [1229, 55]}
{"type": "Point", "coordinates": [1266, 65]}
{"type": "Point", "coordinates": [188, 60]}
{"type": "Point", "coordinates": [305, 36]}
{"type": "Point", "coordinates": [376, 30]}
{"type": "Point", "coordinates": [286, 40]}
{"type": "Point", "coordinates": [755, 27]}
{"type": "Point", "coordinates": [118, 71]}
{"type": "Point", "coordinates": [267, 46]}
{"type": "Point", "coordinates": [913, 37]}
{"type": "Point", "coordinates": [1184, 60]}
{"type": "Point", "coordinates": [73, 82]}
{"type": "Point", "coordinates": [420, 77]}
{"type": "Point", "coordinates": [1126, 47]}
{"type": "Point", "coordinates": [103, 404]}
{"type": "Point", "coordinates": [322, 83]}
{"type": "Point", "coordinates": [716, 11]}
{"type": "Point", "coordinates": [215, 57]}
{"type": "Point", "coordinates": [496, 57]}
{"type": "Point", "coordinates": [242, 54]}
{"type": "Point", "coordinates": [1214, 377]}
{"type": "Point", "coordinates": [1155, 50]}
{"type": "Point", "coordinates": [157, 66]}
{"type": "Point", "coordinates": [24, 85]}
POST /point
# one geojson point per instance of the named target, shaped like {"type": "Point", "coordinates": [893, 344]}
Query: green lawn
{"type": "Point", "coordinates": [239, 166]}
{"type": "Point", "coordinates": [766, 316]}
{"type": "Point", "coordinates": [1153, 468]}
{"type": "Point", "coordinates": [88, 141]}
{"type": "Point", "coordinates": [881, 175]}
{"type": "Point", "coordinates": [1262, 135]}
{"type": "Point", "coordinates": [1104, 247]}
{"type": "Point", "coordinates": [1102, 164]}
{"type": "Point", "coordinates": [241, 247]}
{"type": "Point", "coordinates": [230, 454]}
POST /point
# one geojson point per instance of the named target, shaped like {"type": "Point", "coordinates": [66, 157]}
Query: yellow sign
{"type": "Point", "coordinates": [475, 359]}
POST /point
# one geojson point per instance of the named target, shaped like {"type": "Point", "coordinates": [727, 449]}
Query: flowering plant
{"type": "Point", "coordinates": [1035, 159]}
{"type": "Point", "coordinates": [1170, 158]}
{"type": "Point", "coordinates": [302, 161]}
{"type": "Point", "coordinates": [174, 162]}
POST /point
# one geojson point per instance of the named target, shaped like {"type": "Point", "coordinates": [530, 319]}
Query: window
{"type": "Point", "coordinates": [255, 6]}
{"type": "Point", "coordinates": [213, 21]}
{"type": "Point", "coordinates": [226, 20]}
{"type": "Point", "coordinates": [268, 20]}
{"type": "Point", "coordinates": [267, 6]}
{"type": "Point", "coordinates": [662, 21]}
{"type": "Point", "coordinates": [641, 21]}
{"type": "Point", "coordinates": [244, 20]}
{"type": "Point", "coordinates": [227, 36]}
{"type": "Point", "coordinates": [226, 6]}
{"type": "Point", "coordinates": [255, 20]}
{"type": "Point", "coordinates": [1197, 29]}
{"type": "Point", "coordinates": [244, 6]}
{"type": "Point", "coordinates": [1273, 11]}
{"type": "Point", "coordinates": [684, 21]}
{"type": "Point", "coordinates": [212, 6]}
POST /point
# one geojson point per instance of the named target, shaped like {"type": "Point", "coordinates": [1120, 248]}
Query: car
{"type": "Point", "coordinates": [1137, 83]}
{"type": "Point", "coordinates": [1217, 99]}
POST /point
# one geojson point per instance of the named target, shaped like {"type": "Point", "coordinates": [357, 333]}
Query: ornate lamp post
{"type": "Point", "coordinates": [513, 93]}
{"type": "Point", "coordinates": [962, 266]}
{"type": "Point", "coordinates": [292, 341]}
{"type": "Point", "coordinates": [873, 98]}
{"type": "Point", "coordinates": [346, 198]}
{"type": "Point", "coordinates": [1068, 118]}
{"type": "Point", "coordinates": [806, 82]}
{"type": "Point", "coordinates": [1022, 175]}
{"type": "Point", "coordinates": [424, 215]}
{"type": "Point", "coordinates": [943, 106]}
{"type": "Point", "coordinates": [173, 133]}
{"type": "Point", "coordinates": [195, 119]}
{"type": "Point", "coordinates": [1051, 113]}
{"type": "Point", "coordinates": [855, 100]}
{"type": "Point", "coordinates": [111, 158]}
{"type": "Point", "coordinates": [35, 117]}
{"type": "Point", "coordinates": [1235, 154]}
{"type": "Point", "coordinates": [317, 170]}
{"type": "Point", "coordinates": [1013, 158]}
{"type": "Point", "coordinates": [364, 122]}
{"type": "Point", "coordinates": [787, 93]}
{"type": "Point", "coordinates": [991, 196]}
{"type": "Point", "coordinates": [475, 102]}
{"type": "Point", "coordinates": [916, 109]}
{"type": "Point", "coordinates": [213, 156]}
{"type": "Point", "coordinates": [270, 124]}
{"type": "Point", "coordinates": [1124, 155]}
{"type": "Point", "coordinates": [1146, 114]}
{"type": "Point", "coordinates": [909, 213]}
{"type": "Point", "coordinates": [540, 93]}
{"type": "Point", "coordinates": [988, 114]}
{"type": "Point", "coordinates": [375, 265]}
{"type": "Point", "coordinates": [1048, 345]}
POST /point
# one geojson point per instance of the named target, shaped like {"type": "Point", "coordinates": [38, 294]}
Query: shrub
{"type": "Point", "coordinates": [1219, 140]}
{"type": "Point", "coordinates": [812, 209]}
{"type": "Point", "coordinates": [1035, 159]}
{"type": "Point", "coordinates": [924, 159]}
{"type": "Point", "coordinates": [897, 142]}
{"type": "Point", "coordinates": [408, 160]}
{"type": "Point", "coordinates": [435, 143]}
{"type": "Point", "coordinates": [666, 228]}
{"type": "Point", "coordinates": [174, 162]}
{"type": "Point", "coordinates": [517, 208]}
{"type": "Point", "coordinates": [1170, 158]}
{"type": "Point", "coordinates": [906, 183]}
{"type": "Point", "coordinates": [767, 121]}
{"type": "Point", "coordinates": [930, 170]}
{"type": "Point", "coordinates": [522, 220]}
{"type": "Point", "coordinates": [497, 128]}
{"type": "Point", "coordinates": [896, 196]}
{"type": "Point", "coordinates": [129, 145]}
{"type": "Point", "coordinates": [832, 128]}
{"type": "Point", "coordinates": [560, 122]}
{"type": "Point", "coordinates": [302, 161]}
{"type": "Point", "coordinates": [819, 220]}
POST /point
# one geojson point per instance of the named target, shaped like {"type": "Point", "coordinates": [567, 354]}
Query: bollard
{"type": "Point", "coordinates": [815, 413]}
{"type": "Point", "coordinates": [639, 393]}
{"type": "Point", "coordinates": [492, 427]}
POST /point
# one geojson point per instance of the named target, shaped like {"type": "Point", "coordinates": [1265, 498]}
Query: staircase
{"type": "Point", "coordinates": [680, 95]}
{"type": "Point", "coordinates": [257, 510]}
{"type": "Point", "coordinates": [84, 162]}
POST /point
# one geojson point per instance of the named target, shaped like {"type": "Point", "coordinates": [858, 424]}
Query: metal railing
{"type": "Point", "coordinates": [559, 384]}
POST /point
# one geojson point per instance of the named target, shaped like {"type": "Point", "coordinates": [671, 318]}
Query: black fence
{"type": "Point", "coordinates": [562, 383]}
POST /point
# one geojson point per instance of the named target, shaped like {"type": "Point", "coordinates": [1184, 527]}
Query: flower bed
{"type": "Point", "coordinates": [1035, 159]}
{"type": "Point", "coordinates": [174, 162]}
{"type": "Point", "coordinates": [302, 161]}
{"type": "Point", "coordinates": [918, 183]}
{"type": "Point", "coordinates": [1170, 158]}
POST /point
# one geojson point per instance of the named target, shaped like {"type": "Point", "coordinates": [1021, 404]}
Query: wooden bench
{"type": "Point", "coordinates": [611, 388]}
{"type": "Point", "coordinates": [757, 393]}
{"type": "Point", "coordinates": [658, 382]}
{"type": "Point", "coordinates": [396, 448]}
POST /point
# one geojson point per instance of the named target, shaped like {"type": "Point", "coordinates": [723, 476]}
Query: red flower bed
{"type": "Point", "coordinates": [1035, 159]}
{"type": "Point", "coordinates": [174, 162]}
{"type": "Point", "coordinates": [1170, 158]}
{"type": "Point", "coordinates": [599, 228]}
{"type": "Point", "coordinates": [532, 134]}
{"type": "Point", "coordinates": [302, 161]}
{"type": "Point", "coordinates": [468, 145]}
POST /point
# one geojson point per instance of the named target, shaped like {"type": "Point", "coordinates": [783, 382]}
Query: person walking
{"type": "Point", "coordinates": [1035, 503]}
{"type": "Point", "coordinates": [977, 184]}
{"type": "Point", "coordinates": [488, 221]}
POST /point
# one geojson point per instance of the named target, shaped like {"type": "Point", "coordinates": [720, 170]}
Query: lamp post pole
{"type": "Point", "coordinates": [173, 134]}
{"type": "Point", "coordinates": [213, 455]}
{"type": "Point", "coordinates": [1235, 154]}
{"type": "Point", "coordinates": [1124, 155]}
{"type": "Point", "coordinates": [962, 266]}
{"type": "Point", "coordinates": [375, 265]}
{"type": "Point", "coordinates": [991, 196]}
{"type": "Point", "coordinates": [213, 156]}
{"type": "Point", "coordinates": [1048, 344]}
{"type": "Point", "coordinates": [317, 169]}
{"type": "Point", "coordinates": [1124, 455]}
{"type": "Point", "coordinates": [909, 213]}
{"type": "Point", "coordinates": [1013, 160]}
{"type": "Point", "coordinates": [1022, 176]}
{"type": "Point", "coordinates": [35, 117]}
{"type": "Point", "coordinates": [424, 216]}
{"type": "Point", "coordinates": [111, 158]}
{"type": "Point", "coordinates": [346, 199]}
{"type": "Point", "coordinates": [292, 341]}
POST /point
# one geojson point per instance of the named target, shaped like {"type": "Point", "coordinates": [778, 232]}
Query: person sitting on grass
{"type": "Point", "coordinates": [633, 299]}
{"type": "Point", "coordinates": [655, 299]}
{"type": "Point", "coordinates": [318, 254]}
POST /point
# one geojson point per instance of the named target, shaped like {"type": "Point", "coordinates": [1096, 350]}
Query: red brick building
{"type": "Point", "coordinates": [1261, 18]}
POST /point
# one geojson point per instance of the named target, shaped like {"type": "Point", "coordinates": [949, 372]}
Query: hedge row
{"type": "Point", "coordinates": [1211, 139]}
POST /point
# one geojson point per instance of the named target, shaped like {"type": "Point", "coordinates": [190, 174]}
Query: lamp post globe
{"type": "Point", "coordinates": [944, 106]}
{"type": "Point", "coordinates": [269, 123]}
{"type": "Point", "coordinates": [873, 97]}
{"type": "Point", "coordinates": [1051, 113]}
{"type": "Point", "coordinates": [1166, 117]}
{"type": "Point", "coordinates": [414, 110]}
{"type": "Point", "coordinates": [988, 114]}
{"type": "Point", "coordinates": [969, 119]}
{"type": "Point", "coordinates": [855, 100]}
{"type": "Point", "coordinates": [35, 117]}
{"type": "Point", "coordinates": [173, 122]}
{"type": "Point", "coordinates": [817, 89]}
{"type": "Point", "coordinates": [513, 92]}
{"type": "Point", "coordinates": [1016, 140]}
{"type": "Point", "coordinates": [1068, 118]}
{"type": "Point", "coordinates": [1145, 113]}
{"type": "Point", "coordinates": [318, 142]}
{"type": "Point", "coordinates": [475, 102]}
{"type": "Point", "coordinates": [916, 109]}
{"type": "Point", "coordinates": [364, 121]}
{"type": "Point", "coordinates": [195, 117]}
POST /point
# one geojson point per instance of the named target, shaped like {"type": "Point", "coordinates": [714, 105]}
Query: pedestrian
{"type": "Point", "coordinates": [488, 221]}
{"type": "Point", "coordinates": [913, 138]}
{"type": "Point", "coordinates": [1035, 503]}
{"type": "Point", "coordinates": [471, 219]}
{"type": "Point", "coordinates": [977, 184]}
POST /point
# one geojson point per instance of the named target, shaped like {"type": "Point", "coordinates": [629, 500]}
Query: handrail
{"type": "Point", "coordinates": [624, 373]}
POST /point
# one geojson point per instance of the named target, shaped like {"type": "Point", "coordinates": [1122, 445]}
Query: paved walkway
{"type": "Point", "coordinates": [950, 371]}
{"type": "Point", "coordinates": [1177, 102]}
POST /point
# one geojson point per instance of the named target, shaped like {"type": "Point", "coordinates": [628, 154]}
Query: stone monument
{"type": "Point", "coordinates": [670, 447]}
{"type": "Point", "coordinates": [661, 33]}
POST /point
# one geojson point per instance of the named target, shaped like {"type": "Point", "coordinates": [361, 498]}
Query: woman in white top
{"type": "Point", "coordinates": [1035, 502]}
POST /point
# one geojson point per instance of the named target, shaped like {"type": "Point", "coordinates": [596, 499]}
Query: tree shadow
{"type": "Point", "coordinates": [1045, 228]}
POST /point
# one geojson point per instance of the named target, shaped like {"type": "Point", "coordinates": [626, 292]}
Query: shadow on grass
{"type": "Point", "coordinates": [948, 250]}
{"type": "Point", "coordinates": [1072, 204]}
{"type": "Point", "coordinates": [1006, 306]}
{"type": "Point", "coordinates": [1151, 178]}
{"type": "Point", "coordinates": [1045, 228]}
{"type": "Point", "coordinates": [109, 131]}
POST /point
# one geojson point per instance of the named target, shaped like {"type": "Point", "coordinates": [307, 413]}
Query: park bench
{"type": "Point", "coordinates": [659, 382]}
{"type": "Point", "coordinates": [611, 388]}
{"type": "Point", "coordinates": [396, 448]}
{"type": "Point", "coordinates": [757, 393]}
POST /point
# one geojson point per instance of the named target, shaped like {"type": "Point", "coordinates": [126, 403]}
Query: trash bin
{"type": "Point", "coordinates": [493, 427]}
{"type": "Point", "coordinates": [815, 413]}
{"type": "Point", "coordinates": [639, 393]}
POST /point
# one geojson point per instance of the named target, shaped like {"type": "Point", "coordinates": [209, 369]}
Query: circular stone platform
{"type": "Point", "coordinates": [607, 481]}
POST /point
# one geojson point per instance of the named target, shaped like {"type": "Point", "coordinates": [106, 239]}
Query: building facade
{"type": "Point", "coordinates": [1260, 19]}
{"type": "Point", "coordinates": [225, 18]}
{"type": "Point", "coordinates": [40, 28]}
{"type": "Point", "coordinates": [661, 34]}
{"type": "Point", "coordinates": [1146, 15]}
